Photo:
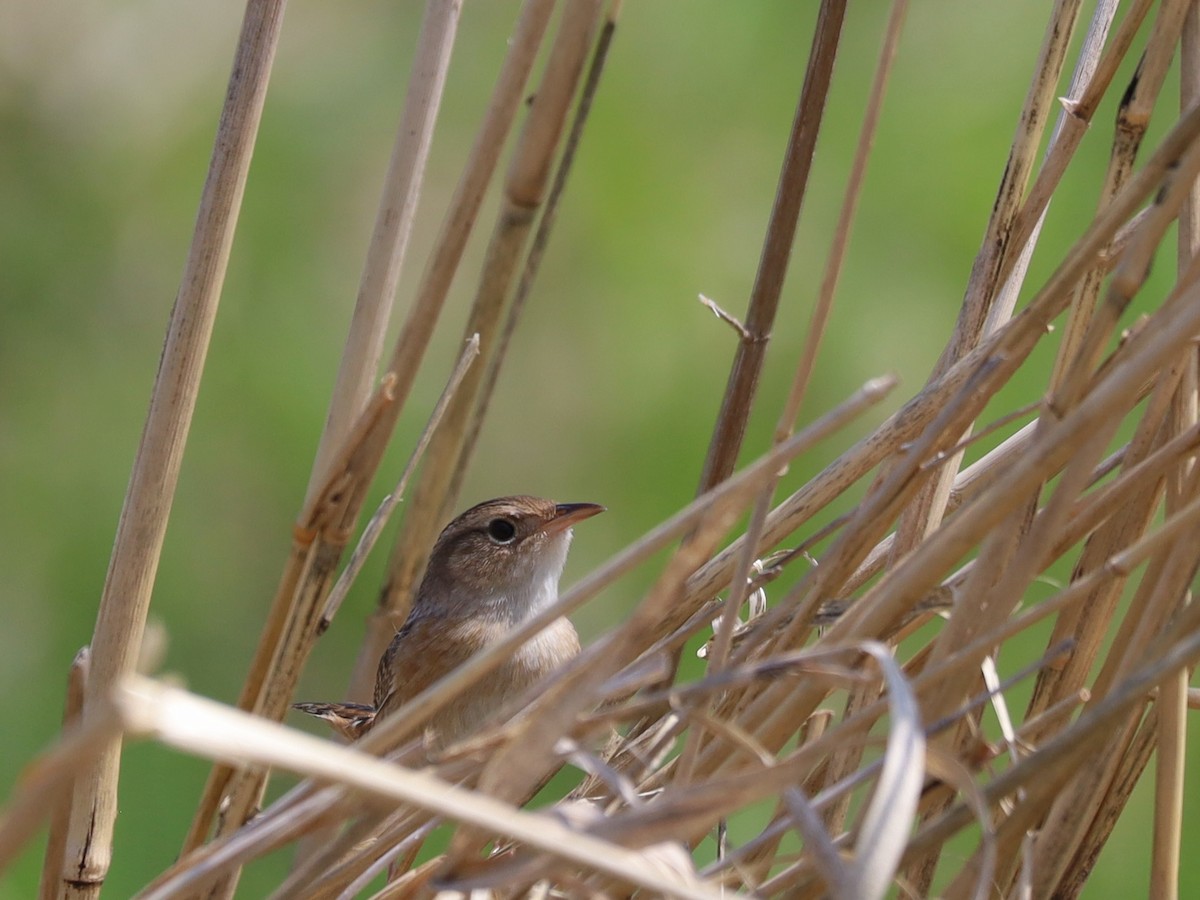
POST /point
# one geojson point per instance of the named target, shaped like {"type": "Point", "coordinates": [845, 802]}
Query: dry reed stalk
{"type": "Point", "coordinates": [140, 532]}
{"type": "Point", "coordinates": [541, 238]}
{"type": "Point", "coordinates": [988, 275]}
{"type": "Point", "coordinates": [847, 761]}
{"type": "Point", "coordinates": [1171, 707]}
{"type": "Point", "coordinates": [1169, 777]}
{"type": "Point", "coordinates": [744, 375]}
{"type": "Point", "coordinates": [1084, 75]}
{"type": "Point", "coordinates": [393, 227]}
{"type": "Point", "coordinates": [730, 428]}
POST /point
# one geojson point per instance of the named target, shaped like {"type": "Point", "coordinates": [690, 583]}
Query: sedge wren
{"type": "Point", "coordinates": [494, 566]}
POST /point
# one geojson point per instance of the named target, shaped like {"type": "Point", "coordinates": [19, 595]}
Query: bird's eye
{"type": "Point", "coordinates": [502, 531]}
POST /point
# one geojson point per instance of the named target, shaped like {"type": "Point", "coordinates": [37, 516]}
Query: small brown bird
{"type": "Point", "coordinates": [494, 566]}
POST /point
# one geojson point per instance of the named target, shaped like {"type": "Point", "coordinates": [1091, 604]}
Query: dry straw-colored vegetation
{"type": "Point", "coordinates": [863, 704]}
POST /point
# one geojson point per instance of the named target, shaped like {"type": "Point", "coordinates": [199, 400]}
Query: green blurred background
{"type": "Point", "coordinates": [614, 379]}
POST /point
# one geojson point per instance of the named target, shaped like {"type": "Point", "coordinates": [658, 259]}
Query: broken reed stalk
{"type": "Point", "coordinates": [988, 274]}
{"type": "Point", "coordinates": [56, 843]}
{"type": "Point", "coordinates": [665, 758]}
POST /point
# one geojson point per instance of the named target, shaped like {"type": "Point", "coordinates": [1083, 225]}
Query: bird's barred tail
{"type": "Point", "coordinates": [350, 720]}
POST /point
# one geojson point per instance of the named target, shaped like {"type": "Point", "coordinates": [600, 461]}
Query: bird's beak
{"type": "Point", "coordinates": [567, 514]}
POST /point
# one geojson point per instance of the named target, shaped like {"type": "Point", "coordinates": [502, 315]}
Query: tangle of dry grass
{"type": "Point", "coordinates": [854, 701]}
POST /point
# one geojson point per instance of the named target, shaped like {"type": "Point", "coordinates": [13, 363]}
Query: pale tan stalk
{"type": "Point", "coordinates": [393, 228]}
{"type": "Point", "coordinates": [200, 726]}
{"type": "Point", "coordinates": [1131, 129]}
{"type": "Point", "coordinates": [1080, 114]}
{"type": "Point", "coordinates": [1083, 336]}
{"type": "Point", "coordinates": [1169, 786]}
{"type": "Point", "coordinates": [142, 527]}
{"type": "Point", "coordinates": [1090, 53]}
